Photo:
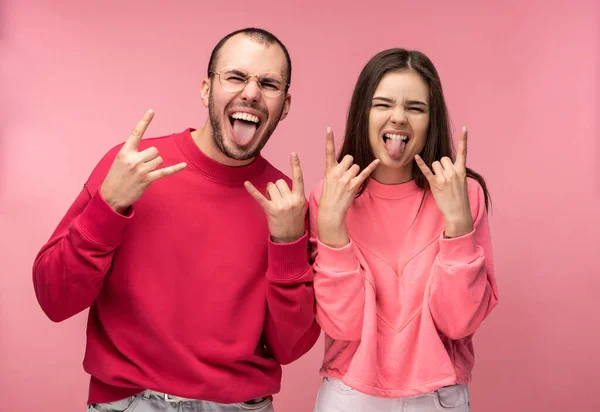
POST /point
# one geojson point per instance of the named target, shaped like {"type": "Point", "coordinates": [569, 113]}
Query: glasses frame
{"type": "Point", "coordinates": [248, 77]}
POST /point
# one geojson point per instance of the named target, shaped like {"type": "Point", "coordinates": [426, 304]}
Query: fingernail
{"type": "Point", "coordinates": [328, 129]}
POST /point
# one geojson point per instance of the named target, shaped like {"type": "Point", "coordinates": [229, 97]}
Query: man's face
{"type": "Point", "coordinates": [242, 121]}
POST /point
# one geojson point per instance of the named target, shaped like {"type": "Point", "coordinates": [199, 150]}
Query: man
{"type": "Point", "coordinates": [199, 286]}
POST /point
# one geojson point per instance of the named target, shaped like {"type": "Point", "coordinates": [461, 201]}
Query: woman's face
{"type": "Point", "coordinates": [398, 124]}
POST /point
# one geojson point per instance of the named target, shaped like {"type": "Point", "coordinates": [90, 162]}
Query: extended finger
{"type": "Point", "coordinates": [135, 137]}
{"type": "Point", "coordinates": [424, 168]}
{"type": "Point", "coordinates": [297, 178]}
{"type": "Point", "coordinates": [330, 160]}
{"type": "Point", "coordinates": [166, 171]}
{"type": "Point", "coordinates": [263, 201]}
{"type": "Point", "coordinates": [461, 155]}
{"type": "Point", "coordinates": [367, 171]}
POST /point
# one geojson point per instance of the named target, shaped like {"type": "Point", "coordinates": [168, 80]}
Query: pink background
{"type": "Point", "coordinates": [525, 79]}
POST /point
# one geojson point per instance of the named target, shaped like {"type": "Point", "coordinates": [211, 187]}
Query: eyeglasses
{"type": "Point", "coordinates": [234, 79]}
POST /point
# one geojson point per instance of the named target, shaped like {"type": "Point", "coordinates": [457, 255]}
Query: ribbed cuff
{"type": "Point", "coordinates": [458, 250]}
{"type": "Point", "coordinates": [100, 223]}
{"type": "Point", "coordinates": [336, 259]}
{"type": "Point", "coordinates": [288, 261]}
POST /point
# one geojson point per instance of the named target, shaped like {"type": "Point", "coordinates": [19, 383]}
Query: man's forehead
{"type": "Point", "coordinates": [253, 56]}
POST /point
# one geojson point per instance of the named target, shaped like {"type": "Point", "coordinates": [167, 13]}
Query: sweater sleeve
{"type": "Point", "coordinates": [290, 329]}
{"type": "Point", "coordinates": [340, 274]}
{"type": "Point", "coordinates": [69, 270]}
{"type": "Point", "coordinates": [464, 290]}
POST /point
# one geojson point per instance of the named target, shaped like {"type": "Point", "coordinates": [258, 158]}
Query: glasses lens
{"type": "Point", "coordinates": [233, 79]}
{"type": "Point", "coordinates": [272, 84]}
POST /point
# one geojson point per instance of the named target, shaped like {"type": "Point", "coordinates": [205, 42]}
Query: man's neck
{"type": "Point", "coordinates": [205, 142]}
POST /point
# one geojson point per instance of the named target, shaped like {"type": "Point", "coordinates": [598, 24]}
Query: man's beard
{"type": "Point", "coordinates": [217, 133]}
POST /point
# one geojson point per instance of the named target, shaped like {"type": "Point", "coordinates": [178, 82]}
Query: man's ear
{"type": "Point", "coordinates": [205, 91]}
{"type": "Point", "coordinates": [286, 106]}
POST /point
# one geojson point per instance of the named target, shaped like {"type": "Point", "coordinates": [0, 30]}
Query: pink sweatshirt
{"type": "Point", "coordinates": [399, 304]}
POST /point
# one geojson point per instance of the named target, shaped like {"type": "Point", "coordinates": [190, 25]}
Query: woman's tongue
{"type": "Point", "coordinates": [243, 132]}
{"type": "Point", "coordinates": [395, 147]}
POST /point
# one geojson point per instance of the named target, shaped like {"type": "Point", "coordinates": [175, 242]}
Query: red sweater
{"type": "Point", "coordinates": [187, 294]}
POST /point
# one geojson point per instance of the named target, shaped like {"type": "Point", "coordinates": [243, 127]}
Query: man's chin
{"type": "Point", "coordinates": [242, 156]}
{"type": "Point", "coordinates": [237, 152]}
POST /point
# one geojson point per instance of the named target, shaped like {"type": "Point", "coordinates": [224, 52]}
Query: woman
{"type": "Point", "coordinates": [402, 251]}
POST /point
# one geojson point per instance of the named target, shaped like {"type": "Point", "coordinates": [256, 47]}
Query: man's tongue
{"type": "Point", "coordinates": [243, 132]}
{"type": "Point", "coordinates": [395, 147]}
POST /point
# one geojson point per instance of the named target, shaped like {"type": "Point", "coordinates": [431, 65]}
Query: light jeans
{"type": "Point", "coordinates": [150, 401]}
{"type": "Point", "coordinates": [335, 396]}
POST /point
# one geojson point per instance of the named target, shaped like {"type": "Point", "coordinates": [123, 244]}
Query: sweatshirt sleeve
{"type": "Point", "coordinates": [340, 274]}
{"type": "Point", "coordinates": [291, 329]}
{"type": "Point", "coordinates": [69, 270]}
{"type": "Point", "coordinates": [464, 290]}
